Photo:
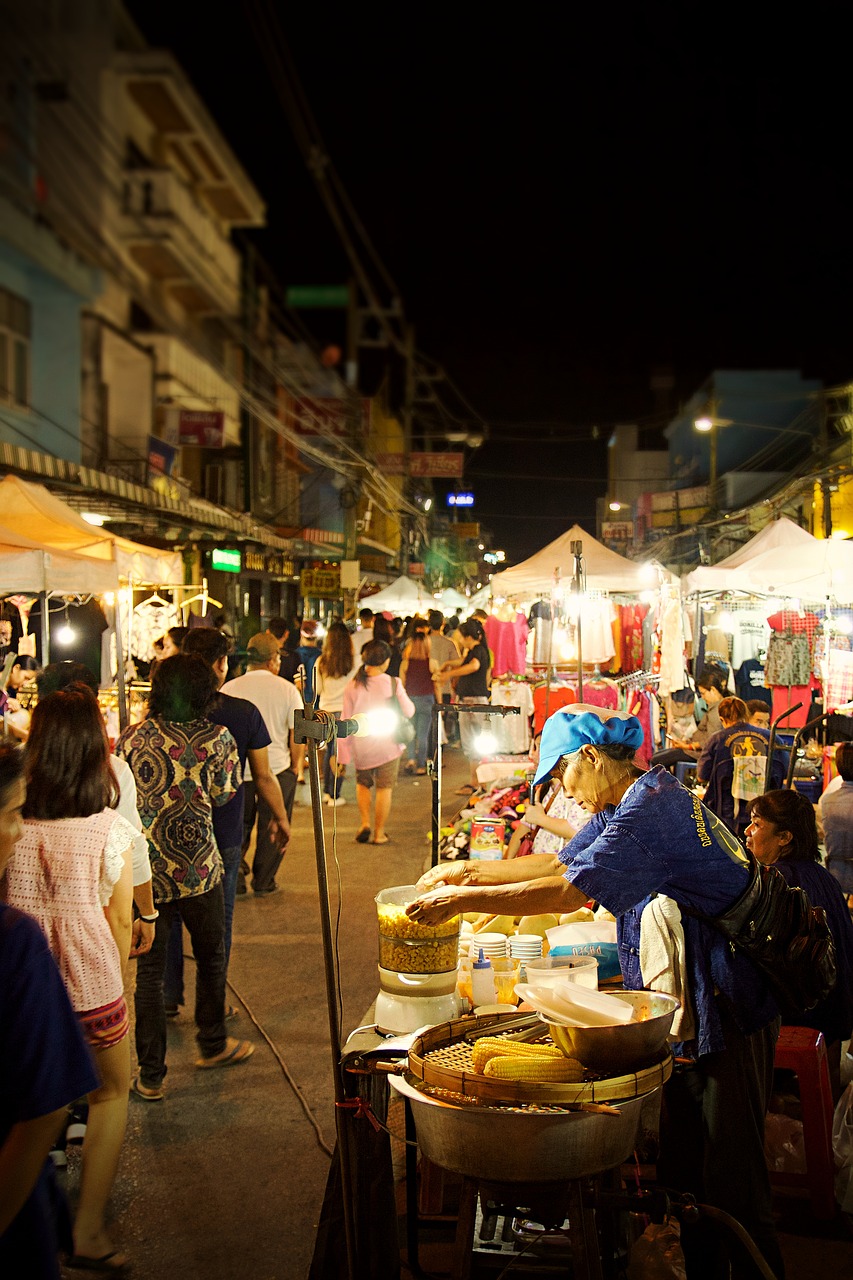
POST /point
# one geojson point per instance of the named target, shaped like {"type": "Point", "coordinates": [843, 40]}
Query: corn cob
{"type": "Point", "coordinates": [535, 1070]}
{"type": "Point", "coordinates": [499, 1046]}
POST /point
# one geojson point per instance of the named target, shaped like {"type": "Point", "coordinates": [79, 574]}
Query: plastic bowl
{"type": "Point", "coordinates": [621, 1048]}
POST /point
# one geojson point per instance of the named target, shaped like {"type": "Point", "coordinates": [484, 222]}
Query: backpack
{"type": "Point", "coordinates": [775, 925]}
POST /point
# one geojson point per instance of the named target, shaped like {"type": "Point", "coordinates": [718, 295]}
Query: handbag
{"type": "Point", "coordinates": [404, 731]}
{"type": "Point", "coordinates": [525, 848]}
{"type": "Point", "coordinates": [775, 925]}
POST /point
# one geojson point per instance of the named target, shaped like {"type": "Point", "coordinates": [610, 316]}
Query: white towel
{"type": "Point", "coordinates": [662, 961]}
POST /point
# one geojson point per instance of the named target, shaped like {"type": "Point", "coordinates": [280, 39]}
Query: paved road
{"type": "Point", "coordinates": [225, 1178]}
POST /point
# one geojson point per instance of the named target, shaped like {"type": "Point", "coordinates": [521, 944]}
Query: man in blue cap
{"type": "Point", "coordinates": [649, 836]}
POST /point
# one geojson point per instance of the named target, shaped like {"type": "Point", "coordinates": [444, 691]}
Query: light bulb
{"type": "Point", "coordinates": [65, 634]}
{"type": "Point", "coordinates": [380, 722]}
{"type": "Point", "coordinates": [485, 742]}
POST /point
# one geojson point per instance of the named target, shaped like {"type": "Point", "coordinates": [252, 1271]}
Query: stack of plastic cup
{"type": "Point", "coordinates": [553, 969]}
{"type": "Point", "coordinates": [491, 945]}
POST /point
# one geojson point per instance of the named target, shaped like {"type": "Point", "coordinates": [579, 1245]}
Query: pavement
{"type": "Point", "coordinates": [225, 1178]}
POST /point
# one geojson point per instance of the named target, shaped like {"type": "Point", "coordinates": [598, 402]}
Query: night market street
{"type": "Point", "coordinates": [225, 1178]}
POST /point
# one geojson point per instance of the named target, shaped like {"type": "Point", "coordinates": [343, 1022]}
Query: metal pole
{"type": "Point", "coordinates": [437, 728]}
{"type": "Point", "coordinates": [123, 714]}
{"type": "Point", "coordinates": [331, 977]}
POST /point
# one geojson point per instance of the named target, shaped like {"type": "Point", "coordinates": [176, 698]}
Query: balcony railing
{"type": "Point", "coordinates": [172, 238]}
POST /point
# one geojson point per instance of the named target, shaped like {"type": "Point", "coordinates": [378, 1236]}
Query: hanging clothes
{"type": "Point", "coordinates": [507, 639]}
{"type": "Point", "coordinates": [547, 700]}
{"type": "Point", "coordinates": [789, 662]}
{"type": "Point", "coordinates": [513, 732]}
{"type": "Point", "coordinates": [672, 655]}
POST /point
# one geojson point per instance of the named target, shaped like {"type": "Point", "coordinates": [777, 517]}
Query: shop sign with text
{"type": "Point", "coordinates": [320, 582]}
{"type": "Point", "coordinates": [447, 466]}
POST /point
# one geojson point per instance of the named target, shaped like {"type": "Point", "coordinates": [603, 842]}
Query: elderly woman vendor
{"type": "Point", "coordinates": [649, 838]}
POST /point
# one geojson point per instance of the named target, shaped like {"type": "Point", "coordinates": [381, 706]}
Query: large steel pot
{"type": "Point", "coordinates": [503, 1145]}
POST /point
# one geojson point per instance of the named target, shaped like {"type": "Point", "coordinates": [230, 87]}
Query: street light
{"type": "Point", "coordinates": [709, 424]}
{"type": "Point", "coordinates": [615, 506]}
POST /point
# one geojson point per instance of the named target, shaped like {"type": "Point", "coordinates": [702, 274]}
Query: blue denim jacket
{"type": "Point", "coordinates": [660, 839]}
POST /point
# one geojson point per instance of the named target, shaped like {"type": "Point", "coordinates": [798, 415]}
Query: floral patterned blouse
{"type": "Point", "coordinates": [181, 770]}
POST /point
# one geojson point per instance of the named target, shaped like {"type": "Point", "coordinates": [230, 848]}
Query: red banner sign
{"type": "Point", "coordinates": [200, 427]}
{"type": "Point", "coordinates": [442, 466]}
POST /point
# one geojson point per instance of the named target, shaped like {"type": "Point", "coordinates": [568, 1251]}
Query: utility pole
{"type": "Point", "coordinates": [248, 317]}
{"type": "Point", "coordinates": [408, 410]}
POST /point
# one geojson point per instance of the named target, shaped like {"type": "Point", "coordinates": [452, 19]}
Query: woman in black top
{"type": "Point", "coordinates": [470, 676]}
{"type": "Point", "coordinates": [384, 630]}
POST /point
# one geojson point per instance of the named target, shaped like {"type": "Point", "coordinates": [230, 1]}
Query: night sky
{"type": "Point", "coordinates": [567, 200]}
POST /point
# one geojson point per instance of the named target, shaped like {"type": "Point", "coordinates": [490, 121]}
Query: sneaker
{"type": "Point", "coordinates": [75, 1130]}
{"type": "Point", "coordinates": [330, 800]}
{"type": "Point", "coordinates": [59, 1158]}
{"type": "Point", "coordinates": [337, 803]}
{"type": "Point", "coordinates": [172, 1010]}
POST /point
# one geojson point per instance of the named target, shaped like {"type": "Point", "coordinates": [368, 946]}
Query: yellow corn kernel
{"type": "Point", "coordinates": [488, 1047]}
{"type": "Point", "coordinates": [535, 1070]}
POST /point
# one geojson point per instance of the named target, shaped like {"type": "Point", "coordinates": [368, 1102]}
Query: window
{"type": "Point", "coordinates": [14, 349]}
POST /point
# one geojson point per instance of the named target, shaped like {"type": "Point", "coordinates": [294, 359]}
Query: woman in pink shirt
{"type": "Point", "coordinates": [376, 757]}
{"type": "Point", "coordinates": [73, 871]}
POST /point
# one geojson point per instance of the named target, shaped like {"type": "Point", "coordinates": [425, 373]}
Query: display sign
{"type": "Point", "coordinates": [271, 562]}
{"type": "Point", "coordinates": [617, 530]}
{"type": "Point", "coordinates": [161, 457]}
{"type": "Point", "coordinates": [350, 575]}
{"type": "Point", "coordinates": [317, 295]}
{"type": "Point", "coordinates": [325, 415]}
{"type": "Point", "coordinates": [460, 499]}
{"type": "Point", "coordinates": [391, 464]}
{"type": "Point", "coordinates": [226, 560]}
{"type": "Point", "coordinates": [198, 428]}
{"type": "Point", "coordinates": [471, 530]}
{"type": "Point", "coordinates": [320, 582]}
{"type": "Point", "coordinates": [447, 466]}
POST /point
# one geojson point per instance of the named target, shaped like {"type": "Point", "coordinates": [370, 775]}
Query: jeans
{"type": "Point", "coordinates": [422, 721]}
{"type": "Point", "coordinates": [332, 784]}
{"type": "Point", "coordinates": [204, 916]}
{"type": "Point", "coordinates": [173, 979]}
{"type": "Point", "coordinates": [267, 856]}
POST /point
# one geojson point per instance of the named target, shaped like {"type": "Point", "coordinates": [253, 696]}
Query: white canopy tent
{"type": "Point", "coordinates": [26, 565]}
{"type": "Point", "coordinates": [402, 596]}
{"type": "Point", "coordinates": [452, 601]}
{"type": "Point", "coordinates": [50, 522]}
{"type": "Point", "coordinates": [605, 569]}
{"type": "Point", "coordinates": [782, 560]}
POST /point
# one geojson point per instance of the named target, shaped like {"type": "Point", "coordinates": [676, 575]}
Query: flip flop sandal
{"type": "Point", "coordinates": [149, 1095]}
{"type": "Point", "coordinates": [242, 1050]}
{"type": "Point", "coordinates": [387, 840]}
{"type": "Point", "coordinates": [104, 1264]}
{"type": "Point", "coordinates": [363, 836]}
{"type": "Point", "coordinates": [467, 790]}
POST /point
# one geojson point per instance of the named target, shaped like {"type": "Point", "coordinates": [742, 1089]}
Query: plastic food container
{"type": "Point", "coordinates": [408, 946]}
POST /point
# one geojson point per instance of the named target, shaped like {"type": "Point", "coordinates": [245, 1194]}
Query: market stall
{"type": "Point", "coordinates": [401, 597]}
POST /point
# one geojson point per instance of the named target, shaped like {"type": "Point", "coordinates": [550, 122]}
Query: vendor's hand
{"type": "Point", "coordinates": [533, 815]}
{"type": "Point", "coordinates": [438, 906]}
{"type": "Point", "coordinates": [444, 873]}
{"type": "Point", "coordinates": [141, 937]}
{"type": "Point", "coordinates": [12, 704]}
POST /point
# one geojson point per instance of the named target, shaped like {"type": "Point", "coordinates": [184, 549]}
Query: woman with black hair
{"type": "Point", "coordinates": [782, 833]}
{"type": "Point", "coordinates": [470, 676]}
{"type": "Point", "coordinates": [73, 871]}
{"type": "Point", "coordinates": [377, 756]}
{"type": "Point", "coordinates": [184, 764]}
{"type": "Point", "coordinates": [45, 1066]}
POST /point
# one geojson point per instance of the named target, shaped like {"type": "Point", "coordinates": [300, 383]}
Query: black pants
{"type": "Point", "coordinates": [267, 856]}
{"type": "Point", "coordinates": [712, 1144]}
{"type": "Point", "coordinates": [204, 916]}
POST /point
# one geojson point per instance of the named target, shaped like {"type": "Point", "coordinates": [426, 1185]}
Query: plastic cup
{"type": "Point", "coordinates": [552, 969]}
{"type": "Point", "coordinates": [506, 973]}
{"type": "Point", "coordinates": [526, 945]}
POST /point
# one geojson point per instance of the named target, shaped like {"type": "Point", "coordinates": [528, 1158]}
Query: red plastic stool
{"type": "Point", "coordinates": [802, 1050]}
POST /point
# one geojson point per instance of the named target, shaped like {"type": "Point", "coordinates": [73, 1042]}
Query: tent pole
{"type": "Point", "coordinates": [123, 717]}
{"type": "Point", "coordinates": [44, 597]}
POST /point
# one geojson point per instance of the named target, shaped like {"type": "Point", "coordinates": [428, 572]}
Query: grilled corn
{"type": "Point", "coordinates": [488, 1047]}
{"type": "Point", "coordinates": [539, 1069]}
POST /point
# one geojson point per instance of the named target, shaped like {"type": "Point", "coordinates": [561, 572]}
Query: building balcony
{"type": "Point", "coordinates": [176, 242]}
{"type": "Point", "coordinates": [187, 381]}
{"type": "Point", "coordinates": [157, 87]}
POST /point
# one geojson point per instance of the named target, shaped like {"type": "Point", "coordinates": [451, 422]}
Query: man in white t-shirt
{"type": "Point", "coordinates": [364, 634]}
{"type": "Point", "coordinates": [277, 700]}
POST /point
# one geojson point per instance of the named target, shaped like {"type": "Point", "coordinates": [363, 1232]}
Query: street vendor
{"type": "Point", "coordinates": [651, 840]}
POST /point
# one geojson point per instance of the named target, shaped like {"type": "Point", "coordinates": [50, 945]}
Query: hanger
{"type": "Point", "coordinates": [203, 597]}
{"type": "Point", "coordinates": [156, 598]}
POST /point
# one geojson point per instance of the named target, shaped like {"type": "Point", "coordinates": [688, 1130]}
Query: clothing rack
{"type": "Point", "coordinates": [636, 680]}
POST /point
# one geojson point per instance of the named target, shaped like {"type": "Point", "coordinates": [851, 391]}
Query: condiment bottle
{"type": "Point", "coordinates": [482, 981]}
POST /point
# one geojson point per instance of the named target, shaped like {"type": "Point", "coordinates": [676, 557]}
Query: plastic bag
{"type": "Point", "coordinates": [657, 1254]}
{"type": "Point", "coordinates": [842, 1149]}
{"type": "Point", "coordinates": [784, 1150]}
